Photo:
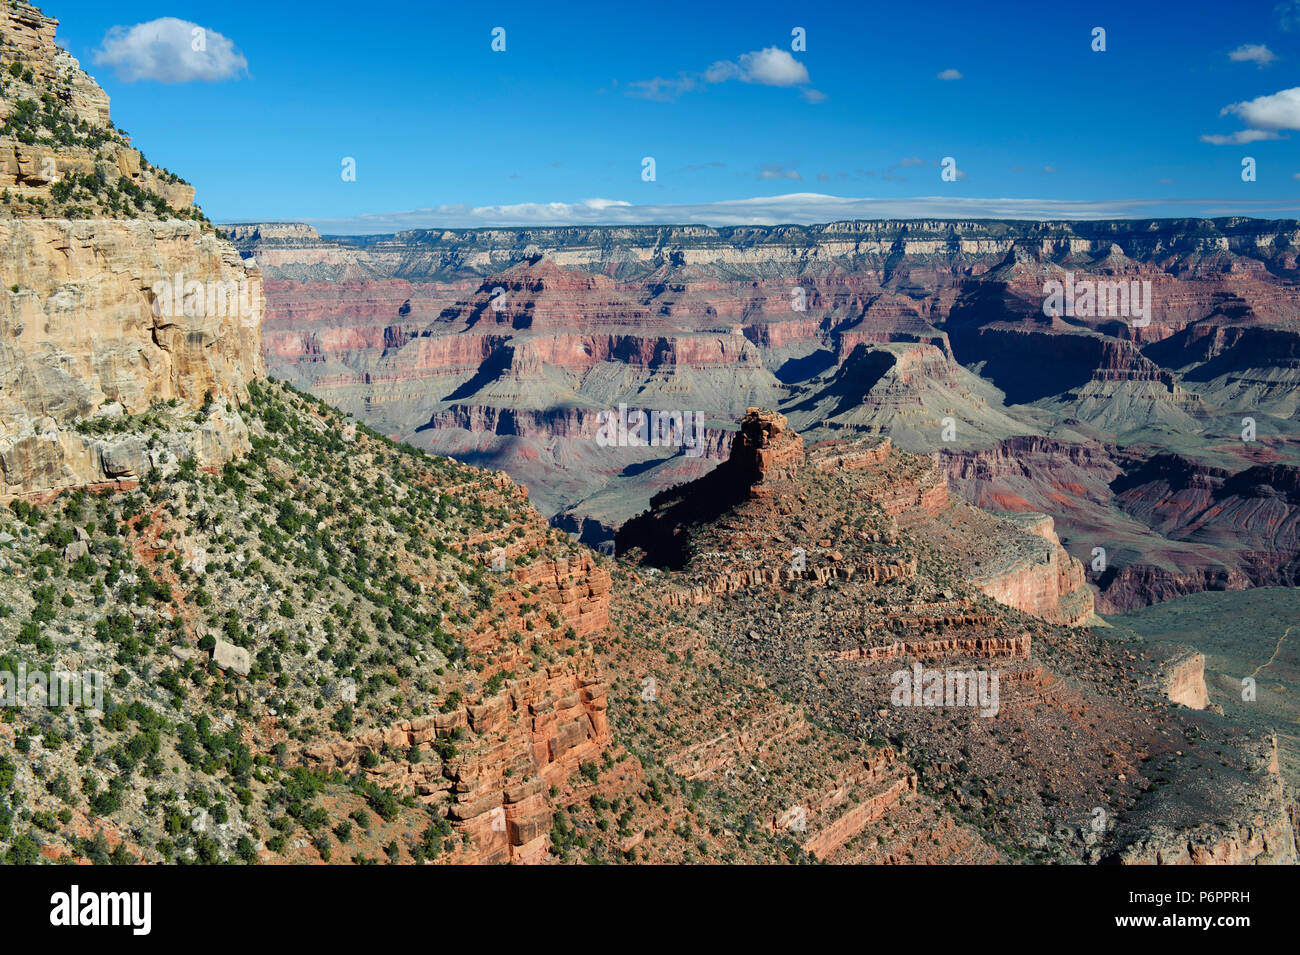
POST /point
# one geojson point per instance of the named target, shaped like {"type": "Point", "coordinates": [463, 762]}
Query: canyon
{"type": "Point", "coordinates": [501, 347]}
{"type": "Point", "coordinates": [330, 548]}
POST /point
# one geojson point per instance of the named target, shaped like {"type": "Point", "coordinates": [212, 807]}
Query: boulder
{"type": "Point", "coordinates": [230, 657]}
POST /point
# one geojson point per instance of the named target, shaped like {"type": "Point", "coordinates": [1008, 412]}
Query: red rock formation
{"type": "Point", "coordinates": [1053, 589]}
{"type": "Point", "coordinates": [697, 311]}
{"type": "Point", "coordinates": [764, 449]}
{"type": "Point", "coordinates": [773, 577]}
{"type": "Point", "coordinates": [975, 647]}
{"type": "Point", "coordinates": [518, 743]}
{"type": "Point", "coordinates": [576, 588]}
{"type": "Point", "coordinates": [1183, 680]}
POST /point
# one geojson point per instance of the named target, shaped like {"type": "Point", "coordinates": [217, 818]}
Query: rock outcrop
{"type": "Point", "coordinates": [764, 449]}
{"type": "Point", "coordinates": [29, 41]}
{"type": "Point", "coordinates": [1258, 832]}
{"type": "Point", "coordinates": [1182, 679]}
{"type": "Point", "coordinates": [1045, 582]}
{"type": "Point", "coordinates": [61, 155]}
{"type": "Point", "coordinates": [513, 747]}
{"type": "Point", "coordinates": [106, 319]}
{"type": "Point", "coordinates": [1016, 559]}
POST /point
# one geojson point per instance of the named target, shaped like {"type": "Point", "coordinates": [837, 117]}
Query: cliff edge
{"type": "Point", "coordinates": [129, 328]}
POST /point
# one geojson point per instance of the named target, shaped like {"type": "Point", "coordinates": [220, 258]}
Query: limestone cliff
{"type": "Point", "coordinates": [127, 308]}
{"type": "Point", "coordinates": [1181, 678]}
{"type": "Point", "coordinates": [627, 251]}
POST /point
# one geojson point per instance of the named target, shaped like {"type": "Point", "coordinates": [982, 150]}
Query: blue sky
{"type": "Point", "coordinates": [447, 132]}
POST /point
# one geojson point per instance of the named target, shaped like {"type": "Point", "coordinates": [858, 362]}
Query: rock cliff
{"type": "Point", "coordinates": [60, 154]}
{"type": "Point", "coordinates": [130, 308]}
{"type": "Point", "coordinates": [1182, 679]}
{"type": "Point", "coordinates": [1016, 559]}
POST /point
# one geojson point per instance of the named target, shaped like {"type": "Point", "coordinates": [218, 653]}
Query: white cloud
{"type": "Point", "coordinates": [601, 204]}
{"type": "Point", "coordinates": [768, 67]}
{"type": "Point", "coordinates": [1253, 53]}
{"type": "Point", "coordinates": [662, 89]}
{"type": "Point", "coordinates": [948, 75]}
{"type": "Point", "coordinates": [1264, 115]}
{"type": "Point", "coordinates": [1277, 111]}
{"type": "Point", "coordinates": [169, 50]}
{"type": "Point", "coordinates": [774, 170]}
{"type": "Point", "coordinates": [802, 208]}
{"type": "Point", "coordinates": [1239, 138]}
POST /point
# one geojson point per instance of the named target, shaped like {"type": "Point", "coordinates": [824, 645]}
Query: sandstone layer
{"type": "Point", "coordinates": [932, 333]}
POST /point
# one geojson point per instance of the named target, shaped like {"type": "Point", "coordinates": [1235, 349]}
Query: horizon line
{"type": "Point", "coordinates": [792, 210]}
